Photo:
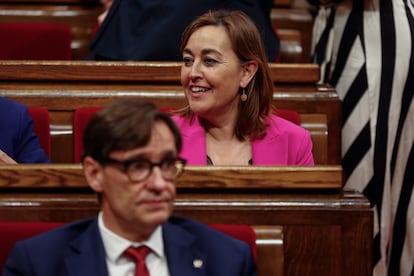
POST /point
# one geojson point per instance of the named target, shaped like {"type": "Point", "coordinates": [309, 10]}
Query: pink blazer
{"type": "Point", "coordinates": [284, 144]}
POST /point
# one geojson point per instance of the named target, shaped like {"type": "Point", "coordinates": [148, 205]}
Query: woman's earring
{"type": "Point", "coordinates": [243, 96]}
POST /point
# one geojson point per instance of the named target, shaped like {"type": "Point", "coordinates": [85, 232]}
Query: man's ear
{"type": "Point", "coordinates": [249, 71]}
{"type": "Point", "coordinates": [93, 173]}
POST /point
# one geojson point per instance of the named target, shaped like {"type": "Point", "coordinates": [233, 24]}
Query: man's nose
{"type": "Point", "coordinates": [156, 180]}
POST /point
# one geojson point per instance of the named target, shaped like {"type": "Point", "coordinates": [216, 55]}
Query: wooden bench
{"type": "Point", "coordinates": [62, 87]}
{"type": "Point", "coordinates": [305, 223]}
{"type": "Point", "coordinates": [294, 25]}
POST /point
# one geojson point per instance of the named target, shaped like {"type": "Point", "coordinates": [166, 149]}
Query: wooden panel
{"type": "Point", "coordinates": [39, 176]}
{"type": "Point", "coordinates": [269, 240]}
{"type": "Point", "coordinates": [317, 125]}
{"type": "Point", "coordinates": [294, 26]}
{"type": "Point", "coordinates": [324, 231]}
{"type": "Point", "coordinates": [152, 72]}
{"type": "Point", "coordinates": [330, 236]}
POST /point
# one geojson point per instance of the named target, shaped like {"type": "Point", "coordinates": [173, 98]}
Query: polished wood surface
{"type": "Point", "coordinates": [62, 87]}
{"type": "Point", "coordinates": [38, 176]}
{"type": "Point", "coordinates": [151, 72]}
{"type": "Point", "coordinates": [321, 231]}
{"type": "Point", "coordinates": [294, 27]}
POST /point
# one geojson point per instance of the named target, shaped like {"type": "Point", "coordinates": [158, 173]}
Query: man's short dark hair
{"type": "Point", "coordinates": [123, 125]}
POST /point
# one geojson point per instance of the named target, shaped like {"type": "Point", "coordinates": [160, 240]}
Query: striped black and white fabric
{"type": "Point", "coordinates": [365, 50]}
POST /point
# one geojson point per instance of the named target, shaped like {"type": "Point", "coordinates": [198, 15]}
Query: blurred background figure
{"type": "Point", "coordinates": [18, 142]}
{"type": "Point", "coordinates": [365, 50]}
{"type": "Point", "coordinates": [151, 30]}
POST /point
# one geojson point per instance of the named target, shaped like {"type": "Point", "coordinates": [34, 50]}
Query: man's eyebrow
{"type": "Point", "coordinates": [146, 156]}
{"type": "Point", "coordinates": [138, 156]}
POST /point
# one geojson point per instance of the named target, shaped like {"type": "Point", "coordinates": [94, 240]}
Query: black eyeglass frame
{"type": "Point", "coordinates": [125, 166]}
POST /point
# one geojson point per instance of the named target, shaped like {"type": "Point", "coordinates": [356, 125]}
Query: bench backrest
{"type": "Point", "coordinates": [303, 215]}
{"type": "Point", "coordinates": [41, 127]}
{"type": "Point", "coordinates": [35, 41]}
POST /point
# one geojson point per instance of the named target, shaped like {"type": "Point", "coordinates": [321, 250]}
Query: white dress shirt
{"type": "Point", "coordinates": [119, 265]}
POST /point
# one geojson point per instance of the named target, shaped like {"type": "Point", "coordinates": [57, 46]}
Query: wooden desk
{"type": "Point", "coordinates": [325, 231]}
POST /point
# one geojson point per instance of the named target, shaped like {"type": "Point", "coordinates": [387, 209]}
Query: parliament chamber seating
{"type": "Point", "coordinates": [41, 126]}
{"type": "Point", "coordinates": [35, 41]}
{"type": "Point", "coordinates": [292, 24]}
{"type": "Point", "coordinates": [64, 86]}
{"type": "Point", "coordinates": [13, 231]}
{"type": "Point", "coordinates": [81, 118]}
{"type": "Point", "coordinates": [305, 224]}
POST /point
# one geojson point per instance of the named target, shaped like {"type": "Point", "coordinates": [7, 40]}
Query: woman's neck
{"type": "Point", "coordinates": [223, 148]}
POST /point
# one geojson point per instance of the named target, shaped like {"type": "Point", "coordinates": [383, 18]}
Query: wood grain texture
{"type": "Point", "coordinates": [325, 231]}
{"type": "Point", "coordinates": [194, 177]}
{"type": "Point", "coordinates": [131, 71]}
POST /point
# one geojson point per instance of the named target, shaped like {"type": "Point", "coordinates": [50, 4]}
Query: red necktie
{"type": "Point", "coordinates": [138, 255]}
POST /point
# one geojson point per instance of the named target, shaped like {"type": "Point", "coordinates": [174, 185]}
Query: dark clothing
{"type": "Point", "coordinates": [17, 138]}
{"type": "Point", "coordinates": [151, 30]}
{"type": "Point", "coordinates": [77, 249]}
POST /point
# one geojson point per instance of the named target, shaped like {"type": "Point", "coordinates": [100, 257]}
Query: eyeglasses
{"type": "Point", "coordinates": [140, 169]}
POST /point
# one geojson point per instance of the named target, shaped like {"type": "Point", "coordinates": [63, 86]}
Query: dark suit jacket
{"type": "Point", "coordinates": [77, 249]}
{"type": "Point", "coordinates": [151, 30]}
{"type": "Point", "coordinates": [17, 138]}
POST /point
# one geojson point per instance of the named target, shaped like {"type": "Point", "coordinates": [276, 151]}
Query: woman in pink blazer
{"type": "Point", "coordinates": [226, 80]}
{"type": "Point", "coordinates": [284, 144]}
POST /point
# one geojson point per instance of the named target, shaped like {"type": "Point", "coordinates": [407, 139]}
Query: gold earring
{"type": "Point", "coordinates": [243, 96]}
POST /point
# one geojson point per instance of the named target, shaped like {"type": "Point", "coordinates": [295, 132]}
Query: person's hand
{"type": "Point", "coordinates": [5, 159]}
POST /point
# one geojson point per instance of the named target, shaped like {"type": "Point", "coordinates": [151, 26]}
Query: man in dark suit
{"type": "Point", "coordinates": [18, 142]}
{"type": "Point", "coordinates": [131, 160]}
{"type": "Point", "coordinates": [151, 30]}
